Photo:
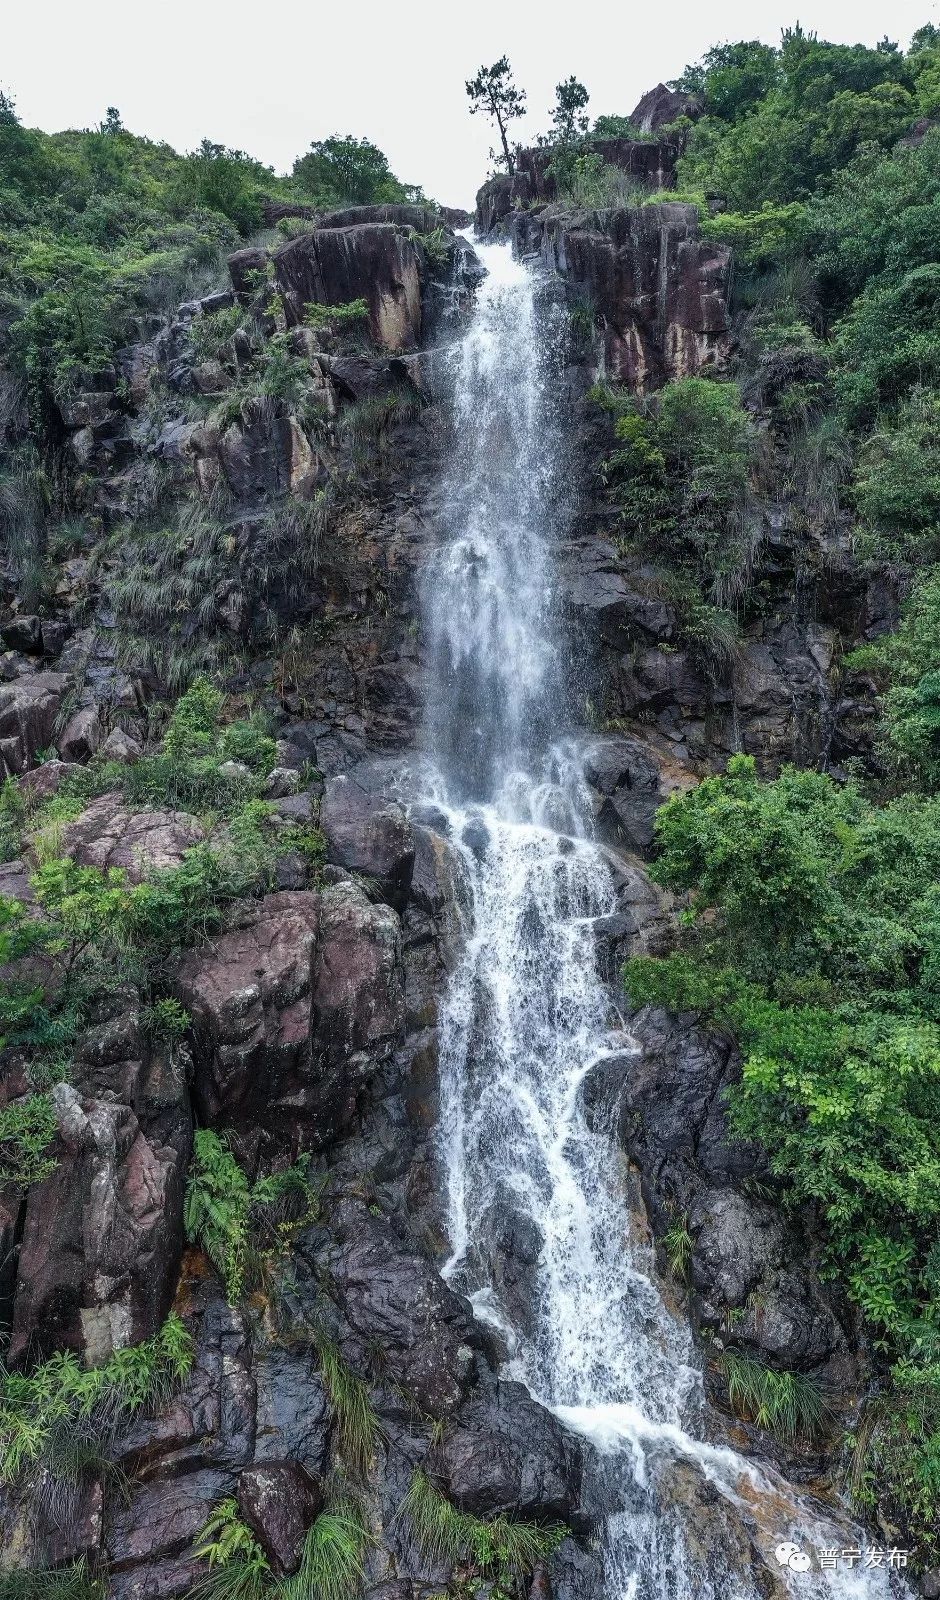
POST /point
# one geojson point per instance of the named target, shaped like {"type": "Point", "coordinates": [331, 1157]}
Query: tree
{"type": "Point", "coordinates": [112, 121]}
{"type": "Point", "coordinates": [569, 120]}
{"type": "Point", "coordinates": [493, 91]}
{"type": "Point", "coordinates": [354, 170]}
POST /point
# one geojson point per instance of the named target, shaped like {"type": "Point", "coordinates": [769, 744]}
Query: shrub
{"type": "Point", "coordinates": [908, 663]}
{"type": "Point", "coordinates": [897, 485]}
{"type": "Point", "coordinates": [896, 1458]}
{"type": "Point", "coordinates": [27, 1130]}
{"type": "Point", "coordinates": [680, 475]}
{"type": "Point", "coordinates": [75, 1582]}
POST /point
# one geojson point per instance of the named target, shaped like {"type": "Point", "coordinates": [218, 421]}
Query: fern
{"type": "Point", "coordinates": [227, 1217]}
{"type": "Point", "coordinates": [331, 1565]}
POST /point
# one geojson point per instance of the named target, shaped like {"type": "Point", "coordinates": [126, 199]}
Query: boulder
{"type": "Point", "coordinates": [505, 1454]}
{"type": "Point", "coordinates": [28, 710]}
{"type": "Point", "coordinates": [391, 1298]}
{"type": "Point", "coordinates": [108, 834]}
{"type": "Point", "coordinates": [102, 1236]}
{"type": "Point", "coordinates": [249, 995]}
{"type": "Point", "coordinates": [119, 746]}
{"type": "Point", "coordinates": [23, 633]}
{"type": "Point", "coordinates": [367, 834]}
{"type": "Point", "coordinates": [660, 106]}
{"type": "Point", "coordinates": [627, 789]}
{"type": "Point", "coordinates": [42, 782]}
{"type": "Point", "coordinates": [82, 735]}
{"type": "Point", "coordinates": [376, 262]}
{"type": "Point", "coordinates": [280, 1501]}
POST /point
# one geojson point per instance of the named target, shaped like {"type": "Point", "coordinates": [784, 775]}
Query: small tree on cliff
{"type": "Point", "coordinates": [493, 91]}
{"type": "Point", "coordinates": [569, 119]}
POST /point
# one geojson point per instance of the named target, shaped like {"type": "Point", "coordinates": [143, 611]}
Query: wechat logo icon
{"type": "Point", "coordinates": [790, 1555]}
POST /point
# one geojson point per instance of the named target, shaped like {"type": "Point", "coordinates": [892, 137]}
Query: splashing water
{"type": "Point", "coordinates": [541, 1236]}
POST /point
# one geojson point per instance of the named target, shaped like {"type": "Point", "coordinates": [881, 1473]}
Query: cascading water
{"type": "Point", "coordinates": [527, 1017]}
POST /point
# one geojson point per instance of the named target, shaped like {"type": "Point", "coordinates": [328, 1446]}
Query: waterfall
{"type": "Point", "coordinates": [541, 1236]}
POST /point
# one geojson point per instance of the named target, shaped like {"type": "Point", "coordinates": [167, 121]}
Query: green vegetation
{"type": "Point", "coordinates": [27, 1129]}
{"type": "Point", "coordinates": [811, 932]}
{"type": "Point", "coordinates": [357, 1426]}
{"type": "Point", "coordinates": [75, 1582]}
{"type": "Point", "coordinates": [41, 1412]}
{"type": "Point", "coordinates": [494, 93]}
{"type": "Point", "coordinates": [331, 1567]}
{"type": "Point", "coordinates": [680, 475]}
{"type": "Point", "coordinates": [677, 1242]}
{"type": "Point", "coordinates": [500, 1551]}
{"type": "Point", "coordinates": [245, 1229]}
{"type": "Point", "coordinates": [789, 1404]}
{"type": "Point", "coordinates": [100, 229]}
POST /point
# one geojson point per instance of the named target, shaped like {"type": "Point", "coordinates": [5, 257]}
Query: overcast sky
{"type": "Point", "coordinates": [270, 78]}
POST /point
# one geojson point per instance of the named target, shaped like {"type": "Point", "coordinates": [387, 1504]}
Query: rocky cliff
{"type": "Point", "coordinates": [254, 485]}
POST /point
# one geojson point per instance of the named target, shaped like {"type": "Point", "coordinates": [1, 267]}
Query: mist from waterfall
{"type": "Point", "coordinates": [531, 1180]}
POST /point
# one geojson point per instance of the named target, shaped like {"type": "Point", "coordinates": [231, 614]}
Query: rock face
{"type": "Point", "coordinates": [748, 1269]}
{"type": "Point", "coordinates": [507, 1455]}
{"type": "Point", "coordinates": [108, 834]}
{"type": "Point", "coordinates": [392, 1298]}
{"type": "Point", "coordinates": [249, 995]}
{"type": "Point", "coordinates": [659, 291]}
{"type": "Point", "coordinates": [368, 835]}
{"type": "Point", "coordinates": [375, 262]}
{"type": "Point", "coordinates": [280, 1502]}
{"type": "Point", "coordinates": [102, 1235]}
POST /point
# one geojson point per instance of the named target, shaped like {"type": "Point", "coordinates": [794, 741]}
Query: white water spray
{"type": "Point", "coordinates": [541, 1236]}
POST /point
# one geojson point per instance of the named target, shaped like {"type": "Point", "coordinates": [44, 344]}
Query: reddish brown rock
{"type": "Point", "coordinates": [659, 291]}
{"type": "Point", "coordinates": [280, 1501]}
{"type": "Point", "coordinates": [375, 262]}
{"type": "Point", "coordinates": [107, 834]}
{"type": "Point", "coordinates": [102, 1236]}
{"type": "Point", "coordinates": [248, 993]}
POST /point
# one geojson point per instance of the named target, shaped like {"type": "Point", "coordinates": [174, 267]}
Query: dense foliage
{"type": "Point", "coordinates": [812, 932]}
{"type": "Point", "coordinates": [102, 230]}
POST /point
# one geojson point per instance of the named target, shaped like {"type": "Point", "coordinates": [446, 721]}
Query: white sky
{"type": "Point", "coordinates": [269, 79]}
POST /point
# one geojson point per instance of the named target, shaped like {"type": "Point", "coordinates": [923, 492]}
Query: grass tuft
{"type": "Point", "coordinates": [788, 1404]}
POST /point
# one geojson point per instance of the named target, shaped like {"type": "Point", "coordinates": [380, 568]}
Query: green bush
{"type": "Point", "coordinates": [680, 475]}
{"type": "Point", "coordinates": [908, 665]}
{"type": "Point", "coordinates": [27, 1129]}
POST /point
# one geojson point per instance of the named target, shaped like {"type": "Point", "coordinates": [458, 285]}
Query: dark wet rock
{"type": "Point", "coordinates": [392, 1299]}
{"type": "Point", "coordinates": [249, 995]}
{"type": "Point", "coordinates": [162, 1519]}
{"type": "Point", "coordinates": [629, 785]}
{"type": "Point", "coordinates": [28, 710]}
{"type": "Point", "coordinates": [280, 1501]}
{"type": "Point", "coordinates": [293, 1414]}
{"type": "Point", "coordinates": [358, 1000]}
{"type": "Point", "coordinates": [504, 1453]}
{"type": "Point", "coordinates": [745, 1260]}
{"type": "Point", "coordinates": [108, 834]}
{"type": "Point", "coordinates": [22, 633]}
{"type": "Point", "coordinates": [368, 835]}
{"type": "Point", "coordinates": [102, 1236]}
